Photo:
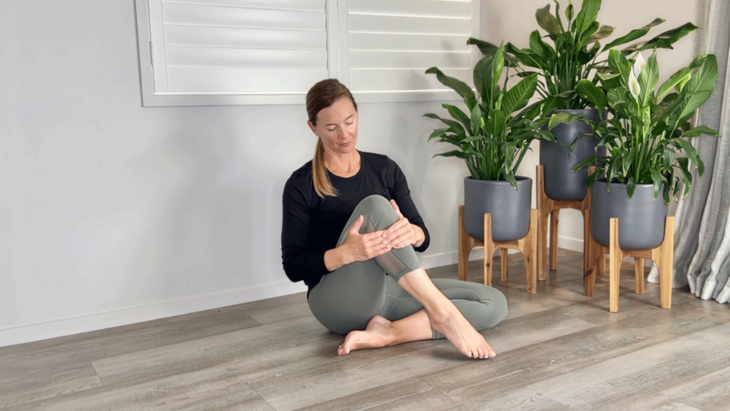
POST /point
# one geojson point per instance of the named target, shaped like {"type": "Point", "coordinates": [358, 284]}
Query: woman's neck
{"type": "Point", "coordinates": [343, 165]}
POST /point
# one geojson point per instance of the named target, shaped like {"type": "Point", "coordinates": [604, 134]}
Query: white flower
{"type": "Point", "coordinates": [639, 64]}
{"type": "Point", "coordinates": [634, 87]}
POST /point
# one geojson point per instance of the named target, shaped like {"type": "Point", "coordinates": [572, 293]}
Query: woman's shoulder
{"type": "Point", "coordinates": [378, 161]}
{"type": "Point", "coordinates": [381, 164]}
{"type": "Point", "coordinates": [302, 172]}
{"type": "Point", "coordinates": [301, 178]}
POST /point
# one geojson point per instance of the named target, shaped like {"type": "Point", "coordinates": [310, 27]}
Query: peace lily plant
{"type": "Point", "coordinates": [574, 52]}
{"type": "Point", "coordinates": [494, 136]}
{"type": "Point", "coordinates": [647, 128]}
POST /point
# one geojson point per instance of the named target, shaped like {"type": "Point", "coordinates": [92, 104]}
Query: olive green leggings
{"type": "Point", "coordinates": [347, 298]}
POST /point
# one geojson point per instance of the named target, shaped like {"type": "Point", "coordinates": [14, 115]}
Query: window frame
{"type": "Point", "coordinates": [337, 67]}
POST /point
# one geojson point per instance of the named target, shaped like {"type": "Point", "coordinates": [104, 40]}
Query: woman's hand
{"type": "Point", "coordinates": [357, 247]}
{"type": "Point", "coordinates": [402, 233]}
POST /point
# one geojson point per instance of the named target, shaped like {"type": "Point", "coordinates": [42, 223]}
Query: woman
{"type": "Point", "coordinates": [351, 232]}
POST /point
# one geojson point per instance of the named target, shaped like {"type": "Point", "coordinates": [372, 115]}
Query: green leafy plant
{"type": "Point", "coordinates": [647, 127]}
{"type": "Point", "coordinates": [572, 57]}
{"type": "Point", "coordinates": [493, 137]}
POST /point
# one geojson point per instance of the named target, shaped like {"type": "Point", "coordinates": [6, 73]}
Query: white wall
{"type": "Point", "coordinates": [111, 213]}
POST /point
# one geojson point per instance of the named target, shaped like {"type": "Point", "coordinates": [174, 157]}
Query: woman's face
{"type": "Point", "coordinates": [337, 127]}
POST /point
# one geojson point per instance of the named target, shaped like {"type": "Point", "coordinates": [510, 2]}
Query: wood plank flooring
{"type": "Point", "coordinates": [556, 350]}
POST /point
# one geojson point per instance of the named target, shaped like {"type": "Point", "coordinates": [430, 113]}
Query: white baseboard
{"type": "Point", "coordinates": [97, 321]}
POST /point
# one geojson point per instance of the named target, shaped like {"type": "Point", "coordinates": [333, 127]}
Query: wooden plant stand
{"type": "Point", "coordinates": [527, 245]}
{"type": "Point", "coordinates": [546, 206]}
{"type": "Point", "coordinates": [663, 256]}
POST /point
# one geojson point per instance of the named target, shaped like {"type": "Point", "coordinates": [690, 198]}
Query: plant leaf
{"type": "Point", "coordinates": [656, 178]}
{"type": "Point", "coordinates": [686, 175]}
{"type": "Point", "coordinates": [609, 81]}
{"type": "Point", "coordinates": [496, 122]}
{"type": "Point", "coordinates": [455, 153]}
{"type": "Point", "coordinates": [477, 117]}
{"type": "Point", "coordinates": [633, 34]}
{"type": "Point", "coordinates": [547, 21]}
{"type": "Point", "coordinates": [456, 113]}
{"type": "Point", "coordinates": [592, 93]}
{"type": "Point", "coordinates": [438, 133]}
{"type": "Point", "coordinates": [525, 56]}
{"type": "Point", "coordinates": [569, 12]}
{"type": "Point", "coordinates": [454, 126]}
{"type": "Point", "coordinates": [699, 130]}
{"type": "Point", "coordinates": [669, 37]}
{"type": "Point", "coordinates": [689, 150]}
{"type": "Point", "coordinates": [586, 16]}
{"type": "Point", "coordinates": [630, 186]}
{"type": "Point", "coordinates": [457, 85]}
{"type": "Point", "coordinates": [602, 33]}
{"type": "Point", "coordinates": [648, 78]}
{"type": "Point", "coordinates": [541, 48]}
{"type": "Point", "coordinates": [626, 162]}
{"type": "Point", "coordinates": [681, 75]}
{"type": "Point", "coordinates": [518, 96]}
{"type": "Point", "coordinates": [563, 117]}
{"type": "Point", "coordinates": [558, 101]}
{"type": "Point", "coordinates": [496, 74]}
{"type": "Point", "coordinates": [489, 49]}
{"type": "Point", "coordinates": [699, 88]}
{"type": "Point", "coordinates": [618, 63]}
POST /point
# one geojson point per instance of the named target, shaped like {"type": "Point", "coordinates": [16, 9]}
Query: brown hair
{"type": "Point", "coordinates": [322, 95]}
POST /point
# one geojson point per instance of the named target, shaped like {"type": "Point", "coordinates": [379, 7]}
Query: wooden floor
{"type": "Point", "coordinates": [556, 350]}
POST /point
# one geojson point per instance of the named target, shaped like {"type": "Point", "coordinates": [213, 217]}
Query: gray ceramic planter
{"type": "Point", "coordinates": [640, 218]}
{"type": "Point", "coordinates": [510, 208]}
{"type": "Point", "coordinates": [558, 161]}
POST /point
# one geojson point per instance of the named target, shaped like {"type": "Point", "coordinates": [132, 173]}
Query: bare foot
{"type": "Point", "coordinates": [459, 332]}
{"type": "Point", "coordinates": [376, 335]}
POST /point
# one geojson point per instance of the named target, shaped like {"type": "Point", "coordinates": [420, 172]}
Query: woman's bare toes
{"type": "Point", "coordinates": [460, 333]}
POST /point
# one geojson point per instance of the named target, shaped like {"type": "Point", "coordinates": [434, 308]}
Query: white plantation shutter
{"type": "Point", "coordinates": [235, 51]}
{"type": "Point", "coordinates": [390, 43]}
{"type": "Point", "coordinates": [212, 52]}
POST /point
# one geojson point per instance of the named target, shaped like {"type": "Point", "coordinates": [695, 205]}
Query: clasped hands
{"type": "Point", "coordinates": [369, 245]}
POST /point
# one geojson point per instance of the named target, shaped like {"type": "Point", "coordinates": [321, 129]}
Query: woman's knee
{"type": "Point", "coordinates": [378, 210]}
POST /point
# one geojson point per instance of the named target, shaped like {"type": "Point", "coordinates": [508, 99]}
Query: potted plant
{"type": "Point", "coordinates": [571, 58]}
{"type": "Point", "coordinates": [647, 129]}
{"type": "Point", "coordinates": [492, 139]}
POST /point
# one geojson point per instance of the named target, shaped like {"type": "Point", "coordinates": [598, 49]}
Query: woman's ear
{"type": "Point", "coordinates": [312, 127]}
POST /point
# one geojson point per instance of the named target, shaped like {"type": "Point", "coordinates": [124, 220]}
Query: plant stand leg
{"type": "Point", "coordinates": [543, 209]}
{"type": "Point", "coordinates": [663, 256]}
{"type": "Point", "coordinates": [590, 259]}
{"type": "Point", "coordinates": [601, 265]}
{"type": "Point", "coordinates": [639, 275]}
{"type": "Point", "coordinates": [586, 240]}
{"type": "Point", "coordinates": [616, 256]}
{"type": "Point", "coordinates": [466, 244]}
{"type": "Point", "coordinates": [488, 249]}
{"type": "Point", "coordinates": [554, 220]}
{"type": "Point", "coordinates": [528, 246]}
{"type": "Point", "coordinates": [503, 264]}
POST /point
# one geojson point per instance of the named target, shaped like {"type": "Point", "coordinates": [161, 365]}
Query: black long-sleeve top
{"type": "Point", "coordinates": [312, 225]}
